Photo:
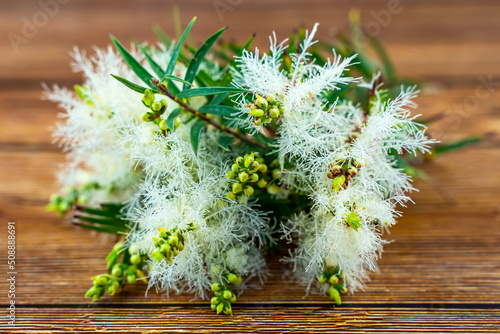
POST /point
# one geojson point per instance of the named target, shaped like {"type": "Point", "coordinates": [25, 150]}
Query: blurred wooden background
{"type": "Point", "coordinates": [442, 273]}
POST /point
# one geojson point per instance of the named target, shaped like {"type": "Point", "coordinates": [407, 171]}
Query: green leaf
{"type": "Point", "coordinates": [131, 85]}
{"type": "Point", "coordinates": [218, 110]}
{"type": "Point", "coordinates": [102, 221]}
{"type": "Point", "coordinates": [171, 118]}
{"type": "Point", "coordinates": [224, 142]}
{"type": "Point", "coordinates": [247, 44]}
{"type": "Point", "coordinates": [99, 212]}
{"type": "Point", "coordinates": [387, 66]}
{"type": "Point", "coordinates": [177, 50]}
{"type": "Point", "coordinates": [161, 35]}
{"type": "Point", "coordinates": [195, 134]}
{"type": "Point", "coordinates": [141, 72]}
{"type": "Point", "coordinates": [104, 229]}
{"type": "Point", "coordinates": [174, 78]}
{"type": "Point", "coordinates": [194, 64]}
{"type": "Point", "coordinates": [156, 68]}
{"type": "Point", "coordinates": [446, 147]}
{"type": "Point", "coordinates": [209, 91]}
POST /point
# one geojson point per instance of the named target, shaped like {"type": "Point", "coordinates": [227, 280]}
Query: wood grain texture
{"type": "Point", "coordinates": [442, 272]}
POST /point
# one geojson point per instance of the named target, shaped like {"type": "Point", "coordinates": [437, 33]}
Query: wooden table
{"type": "Point", "coordinates": [441, 273]}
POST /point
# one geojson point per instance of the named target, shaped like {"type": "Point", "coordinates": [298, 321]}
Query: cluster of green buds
{"type": "Point", "coordinates": [333, 277]}
{"type": "Point", "coordinates": [352, 220]}
{"type": "Point", "coordinates": [342, 174]}
{"type": "Point", "coordinates": [247, 171]}
{"type": "Point", "coordinates": [157, 108]}
{"type": "Point", "coordinates": [224, 296]}
{"type": "Point", "coordinates": [119, 274]}
{"type": "Point", "coordinates": [265, 109]}
{"type": "Point", "coordinates": [168, 244]}
{"type": "Point", "coordinates": [71, 197]}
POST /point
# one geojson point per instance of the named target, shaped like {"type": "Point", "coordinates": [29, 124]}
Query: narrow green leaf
{"type": "Point", "coordinates": [98, 212]}
{"type": "Point", "coordinates": [203, 91]}
{"type": "Point", "coordinates": [173, 77]}
{"type": "Point", "coordinates": [156, 68]}
{"type": "Point", "coordinates": [115, 207]}
{"type": "Point", "coordinates": [194, 64]}
{"type": "Point", "coordinates": [218, 99]}
{"type": "Point", "coordinates": [387, 66]}
{"type": "Point", "coordinates": [103, 221]}
{"type": "Point", "coordinates": [195, 134]}
{"type": "Point", "coordinates": [141, 72]}
{"type": "Point", "coordinates": [161, 35]}
{"type": "Point", "coordinates": [247, 44]}
{"type": "Point", "coordinates": [131, 85]}
{"type": "Point", "coordinates": [218, 110]}
{"type": "Point", "coordinates": [177, 50]}
{"type": "Point", "coordinates": [105, 229]}
{"type": "Point", "coordinates": [224, 142]}
{"type": "Point", "coordinates": [173, 88]}
{"type": "Point", "coordinates": [446, 147]}
{"type": "Point", "coordinates": [171, 118]}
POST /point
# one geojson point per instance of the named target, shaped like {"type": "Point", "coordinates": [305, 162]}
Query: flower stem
{"type": "Point", "coordinates": [163, 90]}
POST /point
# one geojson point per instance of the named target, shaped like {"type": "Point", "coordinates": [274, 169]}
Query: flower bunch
{"type": "Point", "coordinates": [195, 164]}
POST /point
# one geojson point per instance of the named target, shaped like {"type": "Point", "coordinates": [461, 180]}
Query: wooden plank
{"type": "Point", "coordinates": [260, 319]}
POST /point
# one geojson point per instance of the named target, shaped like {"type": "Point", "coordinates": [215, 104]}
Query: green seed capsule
{"type": "Point", "coordinates": [276, 174]}
{"type": "Point", "coordinates": [146, 117]}
{"type": "Point", "coordinates": [231, 196]}
{"type": "Point", "coordinates": [249, 160]}
{"type": "Point", "coordinates": [263, 168]}
{"type": "Point", "coordinates": [258, 121]}
{"type": "Point", "coordinates": [239, 160]}
{"type": "Point", "coordinates": [235, 168]}
{"type": "Point", "coordinates": [216, 287]}
{"type": "Point", "coordinates": [333, 279]}
{"type": "Point", "coordinates": [231, 175]}
{"type": "Point", "coordinates": [135, 259]}
{"type": "Point", "coordinates": [322, 279]}
{"type": "Point", "coordinates": [214, 301]}
{"type": "Point", "coordinates": [131, 279]}
{"type": "Point", "coordinates": [232, 278]}
{"type": "Point", "coordinates": [163, 125]}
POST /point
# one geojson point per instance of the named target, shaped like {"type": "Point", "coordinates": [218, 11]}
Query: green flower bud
{"type": "Point", "coordinates": [91, 292]}
{"type": "Point", "coordinates": [258, 121]}
{"type": "Point", "coordinates": [273, 189]}
{"type": "Point", "coordinates": [261, 103]}
{"type": "Point", "coordinates": [263, 168]}
{"type": "Point", "coordinates": [232, 278]}
{"type": "Point", "coordinates": [257, 112]}
{"type": "Point", "coordinates": [231, 175]}
{"type": "Point", "coordinates": [240, 280]}
{"type": "Point", "coordinates": [239, 160]}
{"type": "Point", "coordinates": [333, 279]}
{"type": "Point", "coordinates": [131, 279]}
{"type": "Point", "coordinates": [255, 166]}
{"type": "Point", "coordinates": [254, 178]}
{"type": "Point", "coordinates": [146, 117]}
{"type": "Point", "coordinates": [175, 251]}
{"type": "Point", "coordinates": [135, 259]}
{"type": "Point", "coordinates": [165, 248]}
{"type": "Point", "coordinates": [276, 174]}
{"type": "Point", "coordinates": [252, 106]}
{"type": "Point", "coordinates": [227, 294]}
{"type": "Point", "coordinates": [322, 279]}
{"type": "Point", "coordinates": [163, 232]}
{"type": "Point", "coordinates": [163, 125]}
{"type": "Point", "coordinates": [262, 183]}
{"type": "Point", "coordinates": [281, 108]}
{"type": "Point", "coordinates": [353, 171]}
{"type": "Point", "coordinates": [214, 301]}
{"type": "Point", "coordinates": [271, 98]}
{"type": "Point", "coordinates": [249, 160]}
{"type": "Point", "coordinates": [216, 287]}
{"type": "Point", "coordinates": [173, 240]}
{"type": "Point", "coordinates": [237, 188]}
{"type": "Point", "coordinates": [274, 112]}
{"type": "Point", "coordinates": [334, 294]}
{"type": "Point", "coordinates": [235, 168]}
{"type": "Point", "coordinates": [220, 307]}
{"type": "Point", "coordinates": [117, 271]}
{"type": "Point", "coordinates": [213, 306]}
{"type": "Point", "coordinates": [243, 176]}
{"type": "Point", "coordinates": [338, 182]}
{"type": "Point", "coordinates": [148, 97]}
{"type": "Point", "coordinates": [268, 120]}
{"type": "Point", "coordinates": [248, 190]}
{"type": "Point", "coordinates": [233, 299]}
{"type": "Point", "coordinates": [231, 196]}
{"type": "Point", "coordinates": [101, 280]}
{"type": "Point", "coordinates": [180, 246]}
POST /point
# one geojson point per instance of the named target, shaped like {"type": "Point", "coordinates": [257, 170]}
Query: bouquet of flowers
{"type": "Point", "coordinates": [202, 159]}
